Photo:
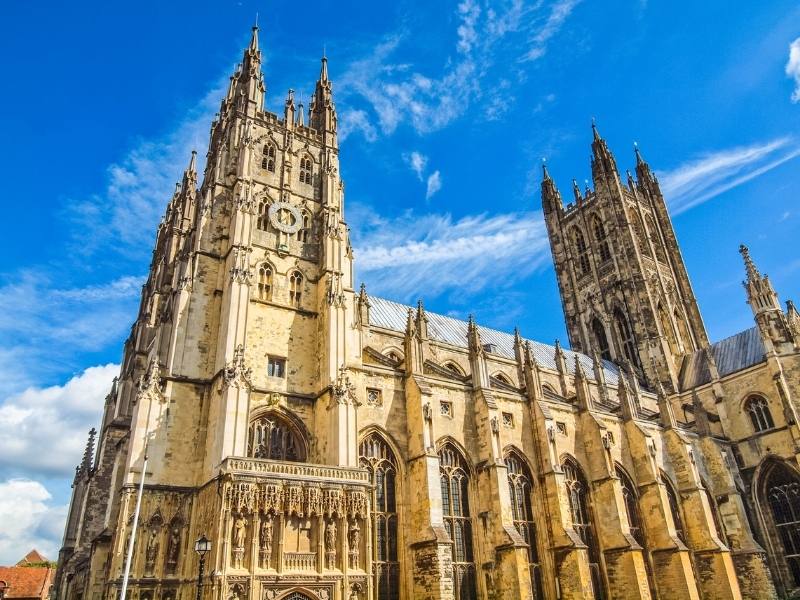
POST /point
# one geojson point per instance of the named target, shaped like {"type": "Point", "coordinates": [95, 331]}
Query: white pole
{"type": "Point", "coordinates": [135, 525]}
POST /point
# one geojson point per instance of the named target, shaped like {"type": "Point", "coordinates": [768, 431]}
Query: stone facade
{"type": "Point", "coordinates": [338, 446]}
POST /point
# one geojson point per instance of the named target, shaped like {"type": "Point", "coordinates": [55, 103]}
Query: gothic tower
{"type": "Point", "coordinates": [624, 288]}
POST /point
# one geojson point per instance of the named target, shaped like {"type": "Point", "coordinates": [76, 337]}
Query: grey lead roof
{"type": "Point", "coordinates": [732, 354]}
{"type": "Point", "coordinates": [392, 315]}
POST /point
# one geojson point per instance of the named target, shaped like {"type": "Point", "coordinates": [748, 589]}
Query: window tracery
{"type": "Point", "coordinates": [625, 336]}
{"type": "Point", "coordinates": [306, 169]}
{"type": "Point", "coordinates": [262, 221]}
{"type": "Point", "coordinates": [295, 288]}
{"type": "Point", "coordinates": [760, 416]}
{"type": "Point", "coordinates": [454, 479]}
{"type": "Point", "coordinates": [674, 507]}
{"type": "Point", "coordinates": [582, 251]}
{"type": "Point", "coordinates": [268, 157]}
{"type": "Point", "coordinates": [631, 499]}
{"type": "Point", "coordinates": [782, 493]}
{"type": "Point", "coordinates": [601, 339]}
{"type": "Point", "coordinates": [377, 457]}
{"type": "Point", "coordinates": [265, 281]}
{"type": "Point", "coordinates": [601, 238]}
{"type": "Point", "coordinates": [272, 437]}
{"type": "Point", "coordinates": [578, 495]}
{"type": "Point", "coordinates": [305, 225]}
{"type": "Point", "coordinates": [521, 487]}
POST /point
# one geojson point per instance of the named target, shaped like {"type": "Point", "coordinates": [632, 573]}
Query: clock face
{"type": "Point", "coordinates": [285, 217]}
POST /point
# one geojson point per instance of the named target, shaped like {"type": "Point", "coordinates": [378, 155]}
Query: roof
{"type": "Point", "coordinates": [27, 582]}
{"type": "Point", "coordinates": [393, 316]}
{"type": "Point", "coordinates": [32, 557]}
{"type": "Point", "coordinates": [732, 354]}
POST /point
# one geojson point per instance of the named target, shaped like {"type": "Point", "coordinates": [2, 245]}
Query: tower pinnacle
{"type": "Point", "coordinates": [323, 111]}
{"type": "Point", "coordinates": [603, 163]}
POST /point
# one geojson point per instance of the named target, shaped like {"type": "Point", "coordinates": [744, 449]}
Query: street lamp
{"type": "Point", "coordinates": [202, 547]}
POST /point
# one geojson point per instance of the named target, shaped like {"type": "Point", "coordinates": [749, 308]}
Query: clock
{"type": "Point", "coordinates": [285, 217]}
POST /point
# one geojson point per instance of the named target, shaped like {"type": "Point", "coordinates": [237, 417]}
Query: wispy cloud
{"type": "Point", "coordinates": [434, 184]}
{"type": "Point", "coordinates": [793, 68]}
{"type": "Point", "coordinates": [30, 520]}
{"type": "Point", "coordinates": [417, 162]}
{"type": "Point", "coordinates": [436, 253]}
{"type": "Point", "coordinates": [711, 174]}
{"type": "Point", "coordinates": [398, 92]}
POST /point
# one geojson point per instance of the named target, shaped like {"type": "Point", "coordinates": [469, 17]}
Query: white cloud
{"type": "Point", "coordinates": [434, 184]}
{"type": "Point", "coordinates": [58, 416]}
{"type": "Point", "coordinates": [357, 120]}
{"type": "Point", "coordinates": [398, 93]}
{"type": "Point", "coordinates": [434, 253]}
{"type": "Point", "coordinates": [793, 68]}
{"type": "Point", "coordinates": [711, 174]}
{"type": "Point", "coordinates": [29, 520]}
{"type": "Point", "coordinates": [417, 162]}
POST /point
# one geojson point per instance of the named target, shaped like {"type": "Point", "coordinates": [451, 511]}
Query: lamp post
{"type": "Point", "coordinates": [201, 546]}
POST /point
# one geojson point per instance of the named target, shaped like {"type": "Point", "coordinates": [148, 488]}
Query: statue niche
{"type": "Point", "coordinates": [173, 546]}
{"type": "Point", "coordinates": [266, 536]}
{"type": "Point", "coordinates": [239, 537]}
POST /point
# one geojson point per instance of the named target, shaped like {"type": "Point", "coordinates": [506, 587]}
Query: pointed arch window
{"type": "Point", "coordinates": [268, 157]}
{"type": "Point", "coordinates": [454, 479]}
{"type": "Point", "coordinates": [295, 288]}
{"type": "Point", "coordinates": [667, 328]}
{"type": "Point", "coordinates": [272, 437]}
{"type": "Point", "coordinates": [265, 281]}
{"type": "Point", "coordinates": [601, 239]}
{"type": "Point", "coordinates": [302, 233]}
{"type": "Point", "coordinates": [685, 340]}
{"type": "Point", "coordinates": [656, 238]}
{"type": "Point", "coordinates": [625, 336]}
{"type": "Point", "coordinates": [582, 251]}
{"type": "Point", "coordinates": [262, 221]}
{"type": "Point", "coordinates": [674, 507]}
{"type": "Point", "coordinates": [601, 339]}
{"type": "Point", "coordinates": [520, 485]}
{"type": "Point", "coordinates": [578, 495]}
{"type": "Point", "coordinates": [760, 416]}
{"type": "Point", "coordinates": [638, 231]}
{"type": "Point", "coordinates": [631, 499]}
{"type": "Point", "coordinates": [377, 457]}
{"type": "Point", "coordinates": [306, 169]}
{"type": "Point", "coordinates": [781, 491]}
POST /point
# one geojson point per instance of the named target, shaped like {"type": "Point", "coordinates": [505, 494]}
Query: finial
{"type": "Point", "coordinates": [639, 159]}
{"type": "Point", "coordinates": [595, 133]}
{"type": "Point", "coordinates": [545, 174]}
{"type": "Point", "coordinates": [193, 161]}
{"type": "Point", "coordinates": [749, 265]}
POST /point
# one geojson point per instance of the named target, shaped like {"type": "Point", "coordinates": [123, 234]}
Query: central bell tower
{"type": "Point", "coordinates": [624, 288]}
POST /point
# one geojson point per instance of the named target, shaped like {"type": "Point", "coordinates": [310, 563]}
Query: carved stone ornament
{"type": "Point", "coordinates": [285, 217]}
{"type": "Point", "coordinates": [236, 373]}
{"type": "Point", "coordinates": [240, 269]}
{"type": "Point", "coordinates": [244, 200]}
{"type": "Point", "coordinates": [150, 384]}
{"type": "Point", "coordinates": [335, 294]}
{"type": "Point", "coordinates": [344, 392]}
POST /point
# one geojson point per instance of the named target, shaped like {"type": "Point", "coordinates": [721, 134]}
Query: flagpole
{"type": "Point", "coordinates": [135, 526]}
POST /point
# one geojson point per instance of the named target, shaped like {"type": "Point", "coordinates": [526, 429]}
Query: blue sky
{"type": "Point", "coordinates": [446, 109]}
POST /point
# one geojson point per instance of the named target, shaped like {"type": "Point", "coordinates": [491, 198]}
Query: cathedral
{"type": "Point", "coordinates": [333, 445]}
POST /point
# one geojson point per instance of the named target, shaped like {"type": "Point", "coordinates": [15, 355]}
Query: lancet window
{"type": "Point", "coordinates": [272, 437]}
{"type": "Point", "coordinates": [578, 495]}
{"type": "Point", "coordinates": [630, 497]}
{"type": "Point", "coordinates": [520, 487]}
{"type": "Point", "coordinates": [656, 238]}
{"type": "Point", "coordinates": [758, 409]}
{"type": "Point", "coordinates": [377, 457]}
{"type": "Point", "coordinates": [265, 281]}
{"type": "Point", "coordinates": [625, 336]}
{"type": "Point", "coordinates": [302, 233]}
{"type": "Point", "coordinates": [582, 251]}
{"type": "Point", "coordinates": [454, 479]}
{"type": "Point", "coordinates": [674, 507]}
{"type": "Point", "coordinates": [262, 220]}
{"type": "Point", "coordinates": [268, 157]}
{"type": "Point", "coordinates": [601, 238]}
{"type": "Point", "coordinates": [638, 231]}
{"type": "Point", "coordinates": [295, 288]}
{"type": "Point", "coordinates": [601, 339]}
{"type": "Point", "coordinates": [306, 169]}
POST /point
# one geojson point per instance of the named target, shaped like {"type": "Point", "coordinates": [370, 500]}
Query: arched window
{"type": "Point", "coordinates": [601, 239]}
{"type": "Point", "coordinates": [685, 340]}
{"type": "Point", "coordinates": [657, 244]}
{"type": "Point", "coordinates": [520, 486]}
{"type": "Point", "coordinates": [781, 490]}
{"type": "Point", "coordinates": [674, 507]}
{"type": "Point", "coordinates": [272, 437]}
{"type": "Point", "coordinates": [600, 338]}
{"type": "Point", "coordinates": [454, 479]}
{"type": "Point", "coordinates": [581, 250]}
{"type": "Point", "coordinates": [377, 457]}
{"type": "Point", "coordinates": [265, 282]}
{"type": "Point", "coordinates": [631, 499]}
{"type": "Point", "coordinates": [578, 495]}
{"type": "Point", "coordinates": [625, 337]}
{"type": "Point", "coordinates": [667, 328]}
{"type": "Point", "coordinates": [502, 378]}
{"type": "Point", "coordinates": [268, 157]}
{"type": "Point", "coordinates": [262, 221]}
{"type": "Point", "coordinates": [306, 169]}
{"type": "Point", "coordinates": [638, 231]}
{"type": "Point", "coordinates": [295, 288]}
{"type": "Point", "coordinates": [758, 409]}
{"type": "Point", "coordinates": [302, 233]}
{"type": "Point", "coordinates": [454, 368]}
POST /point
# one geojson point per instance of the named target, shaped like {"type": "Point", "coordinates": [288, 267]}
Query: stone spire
{"type": "Point", "coordinates": [247, 90]}
{"type": "Point", "coordinates": [88, 453]}
{"type": "Point", "coordinates": [551, 198]}
{"type": "Point", "coordinates": [289, 110]}
{"type": "Point", "coordinates": [603, 163]}
{"type": "Point", "coordinates": [323, 111]}
{"type": "Point", "coordinates": [760, 294]}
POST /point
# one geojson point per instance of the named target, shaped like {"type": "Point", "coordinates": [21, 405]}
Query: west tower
{"type": "Point", "coordinates": [624, 288]}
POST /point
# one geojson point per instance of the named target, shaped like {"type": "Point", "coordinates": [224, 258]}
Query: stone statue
{"type": "Point", "coordinates": [173, 548]}
{"type": "Point", "coordinates": [266, 541]}
{"type": "Point", "coordinates": [151, 553]}
{"type": "Point", "coordinates": [330, 543]}
{"type": "Point", "coordinates": [354, 538]}
{"type": "Point", "coordinates": [239, 540]}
